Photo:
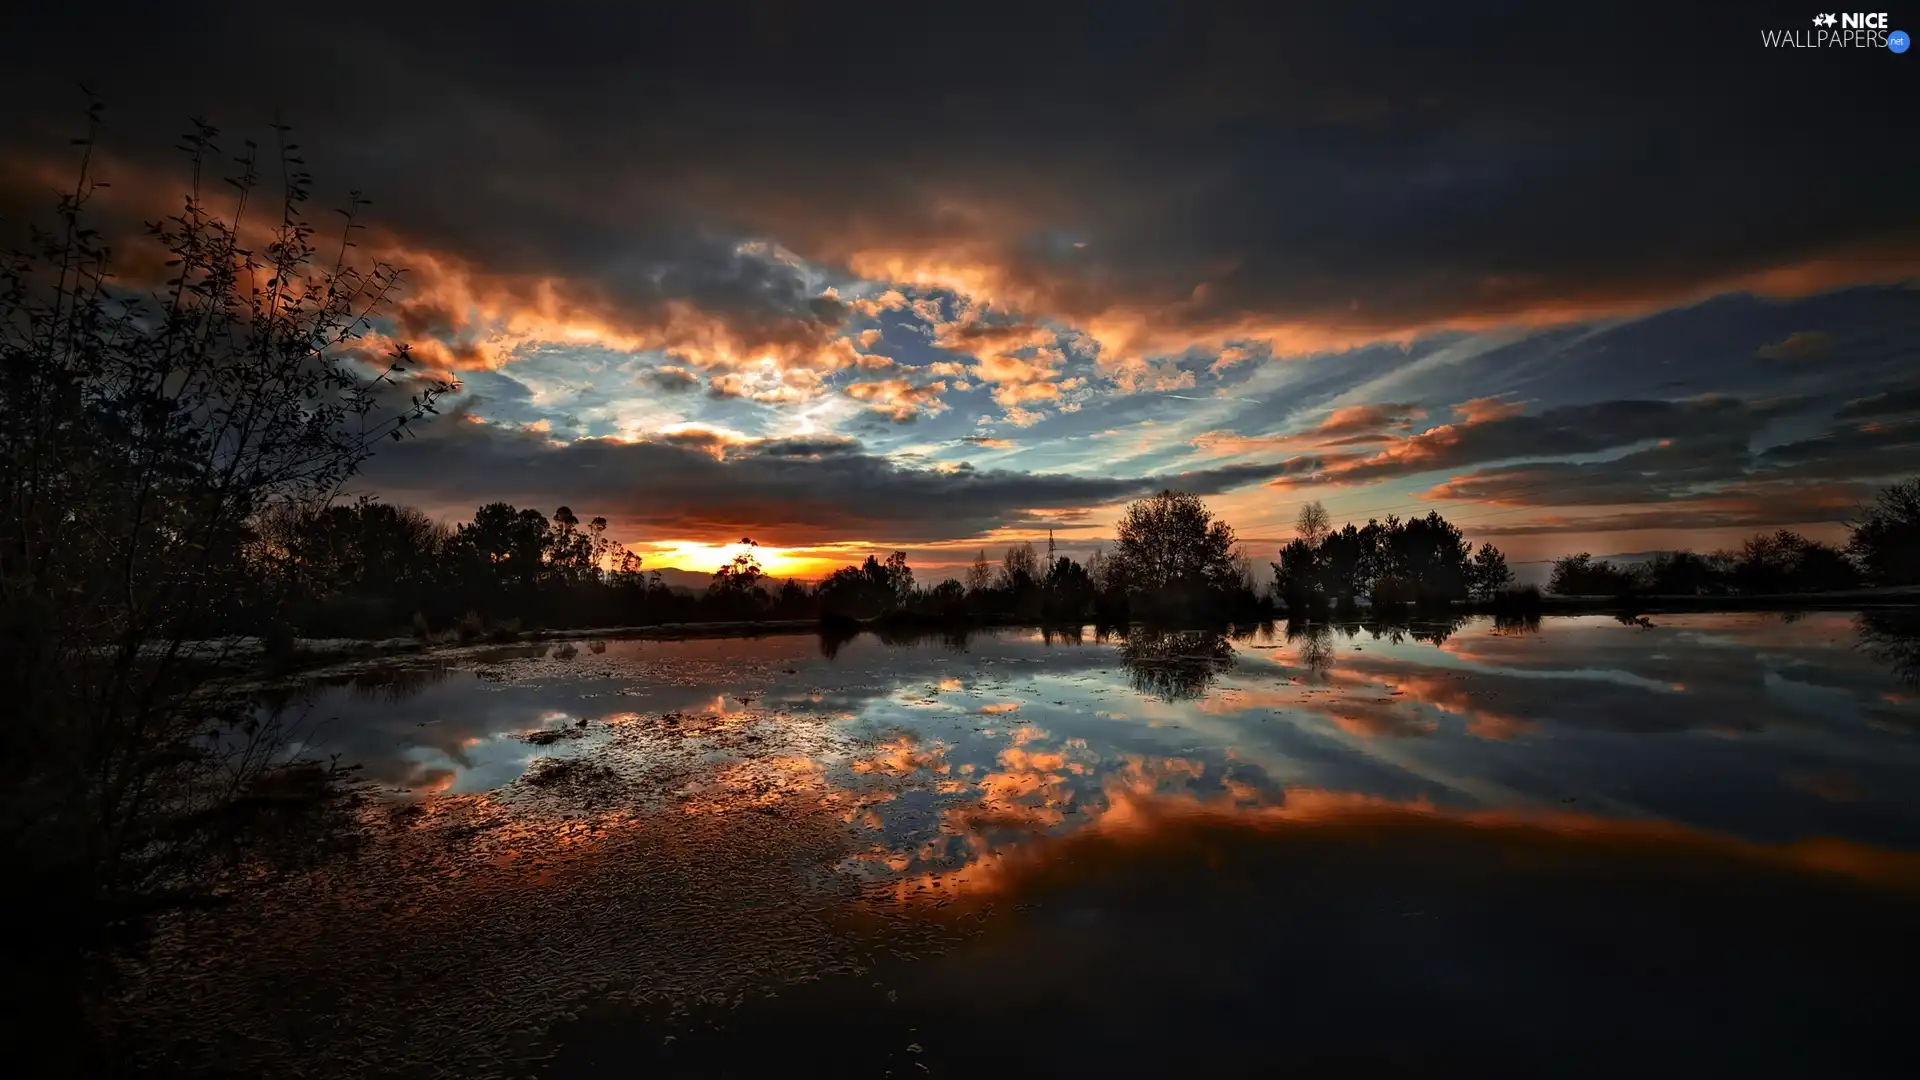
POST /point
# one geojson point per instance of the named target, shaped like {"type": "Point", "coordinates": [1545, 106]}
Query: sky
{"type": "Point", "coordinates": [856, 278]}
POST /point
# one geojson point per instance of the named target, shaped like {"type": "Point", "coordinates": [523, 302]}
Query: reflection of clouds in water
{"type": "Point", "coordinates": [738, 774]}
{"type": "Point", "coordinates": [903, 755]}
{"type": "Point", "coordinates": [1461, 711]}
{"type": "Point", "coordinates": [1139, 811]}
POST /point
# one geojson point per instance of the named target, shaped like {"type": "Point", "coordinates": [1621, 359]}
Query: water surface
{"type": "Point", "coordinates": [1598, 845]}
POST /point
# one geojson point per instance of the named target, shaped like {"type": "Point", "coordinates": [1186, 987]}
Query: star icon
{"type": "Point", "coordinates": [1824, 20]}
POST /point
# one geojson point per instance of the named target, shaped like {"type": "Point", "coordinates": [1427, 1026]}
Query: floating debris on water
{"type": "Point", "coordinates": [673, 866]}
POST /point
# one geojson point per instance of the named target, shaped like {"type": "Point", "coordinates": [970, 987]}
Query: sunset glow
{"type": "Point", "coordinates": [1299, 283]}
{"type": "Point", "coordinates": [691, 555]}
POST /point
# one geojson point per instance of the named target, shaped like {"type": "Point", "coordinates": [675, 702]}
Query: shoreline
{"type": "Point", "coordinates": [310, 654]}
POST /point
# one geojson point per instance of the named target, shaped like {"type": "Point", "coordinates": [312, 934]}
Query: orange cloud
{"type": "Point", "coordinates": [1352, 425]}
{"type": "Point", "coordinates": [899, 399]}
{"type": "Point", "coordinates": [1020, 361]}
{"type": "Point", "coordinates": [1133, 322]}
{"type": "Point", "coordinates": [1485, 410]}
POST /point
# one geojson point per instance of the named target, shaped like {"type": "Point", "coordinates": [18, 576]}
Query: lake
{"type": "Point", "coordinates": [1690, 843]}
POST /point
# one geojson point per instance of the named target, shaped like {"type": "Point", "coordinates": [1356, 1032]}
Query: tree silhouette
{"type": "Point", "coordinates": [1580, 575]}
{"type": "Point", "coordinates": [1313, 524]}
{"type": "Point", "coordinates": [1019, 568]}
{"type": "Point", "coordinates": [1422, 560]}
{"type": "Point", "coordinates": [1172, 543]}
{"type": "Point", "coordinates": [1886, 538]}
{"type": "Point", "coordinates": [154, 430]}
{"type": "Point", "coordinates": [735, 588]}
{"type": "Point", "coordinates": [980, 574]}
{"type": "Point", "coordinates": [1489, 573]}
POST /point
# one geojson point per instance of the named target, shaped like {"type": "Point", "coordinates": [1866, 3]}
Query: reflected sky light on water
{"type": "Point", "coordinates": [1596, 843]}
{"type": "Point", "coordinates": [1751, 725]}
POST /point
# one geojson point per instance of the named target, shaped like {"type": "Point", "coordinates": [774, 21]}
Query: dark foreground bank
{"type": "Point", "coordinates": [1372, 944]}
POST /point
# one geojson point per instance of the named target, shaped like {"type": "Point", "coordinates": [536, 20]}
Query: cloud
{"type": "Point", "coordinates": [770, 385]}
{"type": "Point", "coordinates": [671, 379]}
{"type": "Point", "coordinates": [899, 399]}
{"type": "Point", "coordinates": [1721, 513]}
{"type": "Point", "coordinates": [1904, 401]}
{"type": "Point", "coordinates": [1701, 479]}
{"type": "Point", "coordinates": [1229, 358]}
{"type": "Point", "coordinates": [1021, 362]}
{"type": "Point", "coordinates": [703, 483]}
{"type": "Point", "coordinates": [1800, 345]}
{"type": "Point", "coordinates": [1853, 451]}
{"type": "Point", "coordinates": [1302, 191]}
{"type": "Point", "coordinates": [1251, 203]}
{"type": "Point", "coordinates": [1486, 409]}
{"type": "Point", "coordinates": [1352, 425]}
{"type": "Point", "coordinates": [1496, 432]}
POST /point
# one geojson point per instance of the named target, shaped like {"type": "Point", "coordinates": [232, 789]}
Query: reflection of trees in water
{"type": "Point", "coordinates": [835, 636]}
{"type": "Point", "coordinates": [1510, 622]}
{"type": "Point", "coordinates": [378, 686]}
{"type": "Point", "coordinates": [1063, 635]}
{"type": "Point", "coordinates": [1434, 630]}
{"type": "Point", "coordinates": [1893, 637]}
{"type": "Point", "coordinates": [1314, 641]}
{"type": "Point", "coordinates": [1174, 665]}
{"type": "Point", "coordinates": [1313, 644]}
{"type": "Point", "coordinates": [388, 686]}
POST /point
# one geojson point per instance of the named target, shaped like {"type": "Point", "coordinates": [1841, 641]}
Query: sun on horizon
{"type": "Point", "coordinates": [704, 558]}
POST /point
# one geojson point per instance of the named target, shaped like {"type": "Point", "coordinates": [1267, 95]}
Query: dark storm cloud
{"type": "Point", "coordinates": [1490, 431]}
{"type": "Point", "coordinates": [1799, 345]}
{"type": "Point", "coordinates": [787, 491]}
{"type": "Point", "coordinates": [1904, 401]}
{"type": "Point", "coordinates": [1706, 479]}
{"type": "Point", "coordinates": [1656, 474]}
{"type": "Point", "coordinates": [1807, 508]}
{"type": "Point", "coordinates": [1361, 171]}
{"type": "Point", "coordinates": [1857, 451]}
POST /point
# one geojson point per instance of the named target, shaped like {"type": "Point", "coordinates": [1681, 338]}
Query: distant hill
{"type": "Point", "coordinates": [684, 581]}
{"type": "Point", "coordinates": [1629, 558]}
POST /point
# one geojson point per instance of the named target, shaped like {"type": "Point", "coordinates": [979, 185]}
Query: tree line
{"type": "Point", "coordinates": [1883, 549]}
{"type": "Point", "coordinates": [1426, 562]}
{"type": "Point", "coordinates": [367, 567]}
{"type": "Point", "coordinates": [1423, 561]}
